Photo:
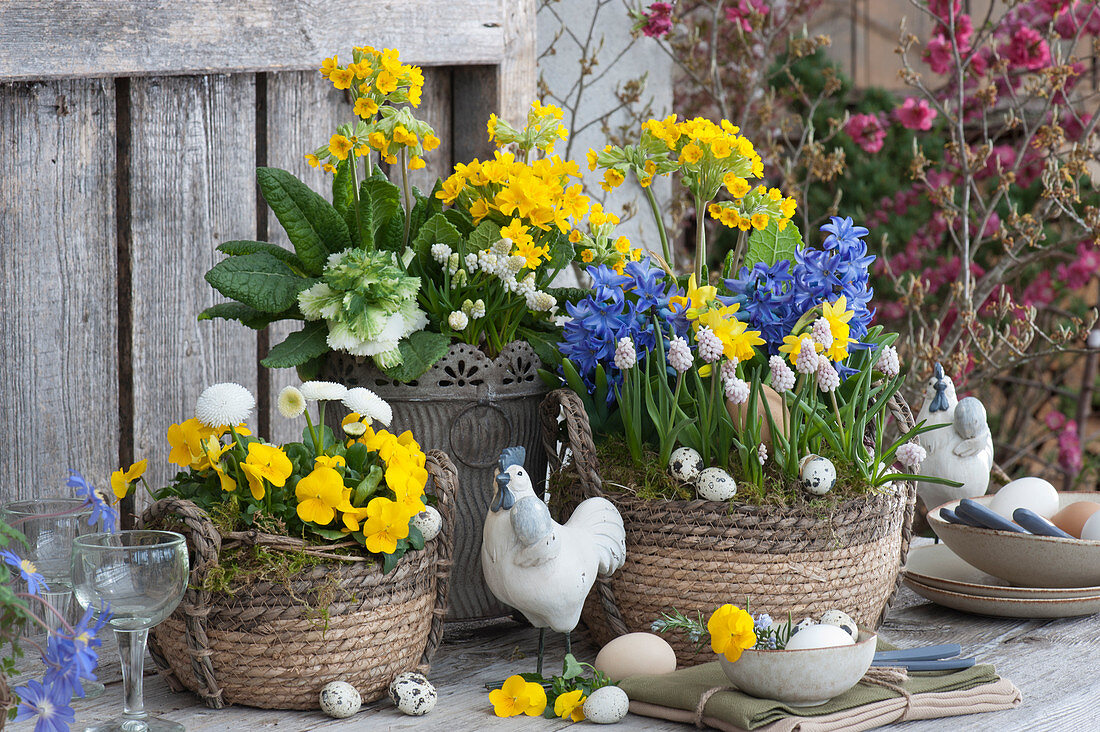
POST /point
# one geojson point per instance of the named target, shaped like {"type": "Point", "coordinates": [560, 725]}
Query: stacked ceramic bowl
{"type": "Point", "coordinates": [1010, 571]}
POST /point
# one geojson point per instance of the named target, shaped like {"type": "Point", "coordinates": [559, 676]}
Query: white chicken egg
{"type": "Point", "coordinates": [340, 700]}
{"type": "Point", "coordinates": [715, 484]}
{"type": "Point", "coordinates": [1091, 529]}
{"type": "Point", "coordinates": [819, 636]}
{"type": "Point", "coordinates": [685, 464]}
{"type": "Point", "coordinates": [606, 705]}
{"type": "Point", "coordinates": [1034, 494]}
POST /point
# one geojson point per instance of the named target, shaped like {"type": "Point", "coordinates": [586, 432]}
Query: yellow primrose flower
{"type": "Point", "coordinates": [342, 78]}
{"type": "Point", "coordinates": [328, 66]}
{"type": "Point", "coordinates": [586, 255]}
{"type": "Point", "coordinates": [691, 154]}
{"type": "Point", "coordinates": [517, 232]}
{"type": "Point", "coordinates": [121, 480]}
{"type": "Point", "coordinates": [416, 162]}
{"type": "Point", "coordinates": [491, 125]}
{"type": "Point", "coordinates": [365, 107]}
{"type": "Point", "coordinates": [731, 631]}
{"type": "Point", "coordinates": [318, 494]}
{"type": "Point", "coordinates": [570, 705]}
{"type": "Point", "coordinates": [792, 346]}
{"type": "Point", "coordinates": [622, 245]}
{"type": "Point", "coordinates": [386, 524]}
{"type": "Point", "coordinates": [339, 146]}
{"type": "Point", "coordinates": [186, 441]}
{"type": "Point", "coordinates": [611, 179]}
{"type": "Point", "coordinates": [265, 462]}
{"type": "Point", "coordinates": [696, 299]}
{"type": "Point", "coordinates": [837, 314]}
{"type": "Point", "coordinates": [737, 186]}
{"type": "Point", "coordinates": [591, 157]}
{"type": "Point", "coordinates": [431, 142]}
{"type": "Point", "coordinates": [532, 254]}
{"type": "Point", "coordinates": [312, 160]}
{"type": "Point", "coordinates": [759, 221]}
{"type": "Point", "coordinates": [518, 697]}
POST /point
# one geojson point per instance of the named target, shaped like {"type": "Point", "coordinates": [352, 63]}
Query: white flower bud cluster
{"type": "Point", "coordinates": [458, 320]}
{"type": "Point", "coordinates": [475, 309]}
{"type": "Point", "coordinates": [762, 453]}
{"type": "Point", "coordinates": [729, 369]}
{"type": "Point", "coordinates": [888, 362]}
{"type": "Point", "coordinates": [514, 264]}
{"type": "Point", "coordinates": [827, 377]}
{"type": "Point", "coordinates": [471, 262]}
{"type": "Point", "coordinates": [542, 302]}
{"type": "Point", "coordinates": [452, 263]}
{"type": "Point", "coordinates": [502, 248]}
{"type": "Point", "coordinates": [441, 253]}
{"type": "Point", "coordinates": [625, 355]}
{"type": "Point", "coordinates": [822, 333]}
{"type": "Point", "coordinates": [736, 389]}
{"type": "Point", "coordinates": [679, 355]}
{"type": "Point", "coordinates": [911, 455]}
{"type": "Point", "coordinates": [710, 347]}
{"type": "Point", "coordinates": [782, 376]}
{"type": "Point", "coordinates": [806, 363]}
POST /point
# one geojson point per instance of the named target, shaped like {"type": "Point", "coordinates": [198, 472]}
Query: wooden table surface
{"type": "Point", "coordinates": [1055, 663]}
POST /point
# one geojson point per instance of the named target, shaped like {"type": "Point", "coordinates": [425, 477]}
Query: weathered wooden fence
{"type": "Point", "coordinates": [129, 136]}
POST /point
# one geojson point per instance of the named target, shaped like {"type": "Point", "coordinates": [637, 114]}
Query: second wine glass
{"type": "Point", "coordinates": [139, 577]}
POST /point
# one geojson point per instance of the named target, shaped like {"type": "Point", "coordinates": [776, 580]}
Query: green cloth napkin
{"type": "Point", "coordinates": [682, 690]}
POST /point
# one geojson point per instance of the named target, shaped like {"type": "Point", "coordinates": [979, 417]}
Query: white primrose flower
{"type": "Point", "coordinates": [323, 391]}
{"type": "Point", "coordinates": [625, 355]}
{"type": "Point", "coordinates": [291, 402]}
{"type": "Point", "coordinates": [782, 377]}
{"type": "Point", "coordinates": [368, 405]}
{"type": "Point", "coordinates": [679, 355]}
{"type": "Point", "coordinates": [441, 252]}
{"type": "Point", "coordinates": [458, 320]}
{"type": "Point", "coordinates": [224, 405]}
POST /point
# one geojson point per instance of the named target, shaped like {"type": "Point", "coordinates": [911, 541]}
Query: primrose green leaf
{"type": "Point", "coordinates": [238, 247]}
{"type": "Point", "coordinates": [436, 230]}
{"type": "Point", "coordinates": [249, 317]}
{"type": "Point", "coordinates": [486, 234]}
{"type": "Point", "coordinates": [314, 227]}
{"type": "Point", "coordinates": [379, 200]}
{"type": "Point", "coordinates": [259, 281]}
{"type": "Point", "coordinates": [299, 347]}
{"type": "Point", "coordinates": [770, 245]}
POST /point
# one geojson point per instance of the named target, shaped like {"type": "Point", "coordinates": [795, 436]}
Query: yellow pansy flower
{"type": "Point", "coordinates": [570, 705]}
{"type": "Point", "coordinates": [318, 494]}
{"type": "Point", "coordinates": [731, 631]}
{"type": "Point", "coordinates": [214, 451]}
{"type": "Point", "coordinates": [386, 524]}
{"type": "Point", "coordinates": [352, 516]}
{"type": "Point", "coordinates": [186, 440]}
{"type": "Point", "coordinates": [121, 480]}
{"type": "Point", "coordinates": [265, 462]}
{"type": "Point", "coordinates": [326, 461]}
{"type": "Point", "coordinates": [518, 697]}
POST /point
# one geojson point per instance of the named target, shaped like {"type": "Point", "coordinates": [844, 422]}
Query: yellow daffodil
{"type": "Point", "coordinates": [696, 299]}
{"type": "Point", "coordinates": [386, 524]}
{"type": "Point", "coordinates": [570, 705]}
{"type": "Point", "coordinates": [731, 631]}
{"type": "Point", "coordinates": [265, 462]}
{"type": "Point", "coordinates": [792, 346]}
{"type": "Point", "coordinates": [121, 480]}
{"type": "Point", "coordinates": [838, 315]}
{"type": "Point", "coordinates": [518, 697]}
{"type": "Point", "coordinates": [737, 340]}
{"type": "Point", "coordinates": [318, 494]}
{"type": "Point", "coordinates": [186, 440]}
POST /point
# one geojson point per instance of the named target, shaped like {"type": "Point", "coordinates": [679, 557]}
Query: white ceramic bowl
{"type": "Point", "coordinates": [1026, 560]}
{"type": "Point", "coordinates": [804, 678]}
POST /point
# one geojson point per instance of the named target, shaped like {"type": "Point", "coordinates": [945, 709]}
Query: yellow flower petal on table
{"type": "Point", "coordinates": [318, 494]}
{"type": "Point", "coordinates": [731, 631]}
{"type": "Point", "coordinates": [386, 524]}
{"type": "Point", "coordinates": [570, 705]}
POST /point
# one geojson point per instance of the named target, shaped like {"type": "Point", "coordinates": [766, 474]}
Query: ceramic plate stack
{"type": "Point", "coordinates": [1007, 574]}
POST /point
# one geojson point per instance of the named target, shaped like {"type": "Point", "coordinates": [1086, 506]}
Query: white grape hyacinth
{"type": "Point", "coordinates": [441, 253]}
{"type": "Point", "coordinates": [368, 405]}
{"type": "Point", "coordinates": [224, 405]}
{"type": "Point", "coordinates": [911, 455]}
{"type": "Point", "coordinates": [323, 391]}
{"type": "Point", "coordinates": [827, 377]}
{"type": "Point", "coordinates": [625, 355]}
{"type": "Point", "coordinates": [806, 363]}
{"type": "Point", "coordinates": [291, 402]}
{"type": "Point", "coordinates": [822, 333]}
{"type": "Point", "coordinates": [782, 377]}
{"type": "Point", "coordinates": [710, 347]}
{"type": "Point", "coordinates": [679, 355]}
{"type": "Point", "coordinates": [458, 320]}
{"type": "Point", "coordinates": [736, 389]}
{"type": "Point", "coordinates": [888, 362]}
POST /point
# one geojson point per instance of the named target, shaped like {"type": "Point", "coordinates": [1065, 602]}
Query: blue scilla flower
{"type": "Point", "coordinates": [47, 705]}
{"type": "Point", "coordinates": [35, 582]}
{"type": "Point", "coordinates": [101, 509]}
{"type": "Point", "coordinates": [841, 230]}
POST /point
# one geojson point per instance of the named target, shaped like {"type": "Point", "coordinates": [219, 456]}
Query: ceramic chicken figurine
{"type": "Point", "coordinates": [538, 566]}
{"type": "Point", "coordinates": [962, 452]}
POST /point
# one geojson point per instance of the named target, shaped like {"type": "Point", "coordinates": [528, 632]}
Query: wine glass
{"type": "Point", "coordinates": [50, 526]}
{"type": "Point", "coordinates": [139, 577]}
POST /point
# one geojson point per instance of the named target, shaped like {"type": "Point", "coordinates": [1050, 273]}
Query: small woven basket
{"type": "Point", "coordinates": [693, 556]}
{"type": "Point", "coordinates": [266, 644]}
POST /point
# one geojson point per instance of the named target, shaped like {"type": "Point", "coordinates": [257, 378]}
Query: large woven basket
{"type": "Point", "coordinates": [693, 556]}
{"type": "Point", "coordinates": [267, 644]}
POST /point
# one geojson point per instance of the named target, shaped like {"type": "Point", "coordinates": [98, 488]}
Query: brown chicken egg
{"type": "Point", "coordinates": [1073, 517]}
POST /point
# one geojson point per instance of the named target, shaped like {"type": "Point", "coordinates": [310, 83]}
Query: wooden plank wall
{"type": "Point", "coordinates": [114, 193]}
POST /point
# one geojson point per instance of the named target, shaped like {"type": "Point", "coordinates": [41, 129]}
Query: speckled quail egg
{"type": "Point", "coordinates": [340, 700]}
{"type": "Point", "coordinates": [606, 705]}
{"type": "Point", "coordinates": [818, 474]}
{"type": "Point", "coordinates": [715, 484]}
{"type": "Point", "coordinates": [803, 623]}
{"type": "Point", "coordinates": [685, 464]}
{"type": "Point", "coordinates": [412, 693]}
{"type": "Point", "coordinates": [842, 620]}
{"type": "Point", "coordinates": [429, 522]}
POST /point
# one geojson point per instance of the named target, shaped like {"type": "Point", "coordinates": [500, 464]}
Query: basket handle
{"type": "Point", "coordinates": [204, 542]}
{"type": "Point", "coordinates": [445, 479]}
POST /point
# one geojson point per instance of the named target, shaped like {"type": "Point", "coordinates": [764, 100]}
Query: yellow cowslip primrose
{"type": "Point", "coordinates": [387, 523]}
{"type": "Point", "coordinates": [792, 346]}
{"type": "Point", "coordinates": [365, 107]}
{"type": "Point", "coordinates": [570, 705]}
{"type": "Point", "coordinates": [121, 480]}
{"type": "Point", "coordinates": [186, 440]}
{"type": "Point", "coordinates": [341, 78]}
{"type": "Point", "coordinates": [329, 65]}
{"type": "Point", "coordinates": [339, 146]}
{"type": "Point", "coordinates": [837, 314]}
{"type": "Point", "coordinates": [318, 494]}
{"type": "Point", "coordinates": [736, 185]}
{"type": "Point", "coordinates": [265, 462]}
{"type": "Point", "coordinates": [518, 697]}
{"type": "Point", "coordinates": [612, 179]}
{"type": "Point", "coordinates": [731, 631]}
